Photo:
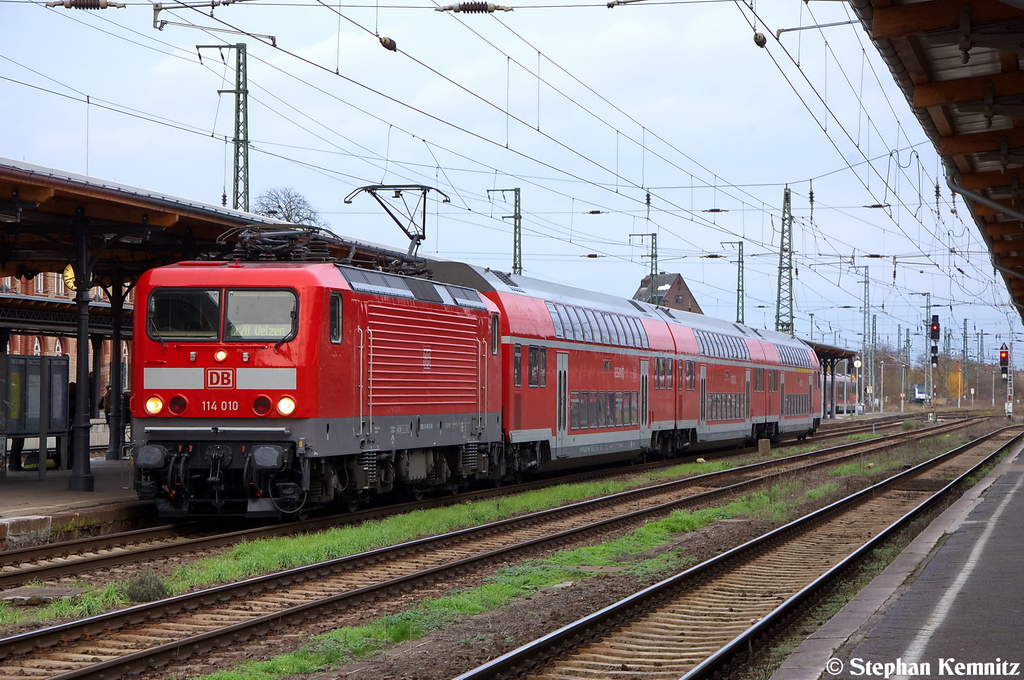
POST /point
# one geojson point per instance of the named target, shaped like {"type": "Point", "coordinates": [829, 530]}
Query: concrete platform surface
{"type": "Point", "coordinates": [22, 493]}
{"type": "Point", "coordinates": [951, 604]}
{"type": "Point", "coordinates": [34, 511]}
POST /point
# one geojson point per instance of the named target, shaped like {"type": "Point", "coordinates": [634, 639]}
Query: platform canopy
{"type": "Point", "coordinates": [958, 63]}
{"type": "Point", "coordinates": [129, 230]}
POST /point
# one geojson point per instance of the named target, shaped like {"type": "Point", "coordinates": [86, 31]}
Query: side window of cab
{"type": "Point", "coordinates": [335, 314]}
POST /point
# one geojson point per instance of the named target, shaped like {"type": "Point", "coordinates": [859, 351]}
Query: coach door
{"type": "Point", "coordinates": [561, 403]}
{"type": "Point", "coordinates": [645, 421]}
{"type": "Point", "coordinates": [746, 406]}
{"type": "Point", "coordinates": [782, 395]}
{"type": "Point", "coordinates": [703, 394]}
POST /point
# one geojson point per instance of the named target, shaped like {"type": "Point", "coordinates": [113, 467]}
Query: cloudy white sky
{"type": "Point", "coordinates": [586, 109]}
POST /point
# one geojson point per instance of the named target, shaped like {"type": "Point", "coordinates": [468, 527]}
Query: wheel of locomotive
{"type": "Point", "coordinates": [349, 502]}
{"type": "Point", "coordinates": [416, 493]}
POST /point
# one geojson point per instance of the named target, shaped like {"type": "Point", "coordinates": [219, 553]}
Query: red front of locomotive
{"type": "Point", "coordinates": [223, 380]}
{"type": "Point", "coordinates": [270, 388]}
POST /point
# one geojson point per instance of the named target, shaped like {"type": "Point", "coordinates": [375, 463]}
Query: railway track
{"type": "Point", "coordinates": [130, 640]}
{"type": "Point", "coordinates": [663, 632]}
{"type": "Point", "coordinates": [72, 558]}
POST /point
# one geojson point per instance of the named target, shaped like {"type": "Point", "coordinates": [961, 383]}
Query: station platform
{"type": "Point", "coordinates": [37, 511]}
{"type": "Point", "coordinates": [951, 604]}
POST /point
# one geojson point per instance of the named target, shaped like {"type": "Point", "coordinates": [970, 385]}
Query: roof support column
{"type": "Point", "coordinates": [81, 478]}
{"type": "Point", "coordinates": [116, 294]}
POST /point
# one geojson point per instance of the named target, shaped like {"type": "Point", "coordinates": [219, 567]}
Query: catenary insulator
{"type": "Point", "coordinates": [388, 44]}
{"type": "Point", "coordinates": [84, 4]}
{"type": "Point", "coordinates": [473, 7]}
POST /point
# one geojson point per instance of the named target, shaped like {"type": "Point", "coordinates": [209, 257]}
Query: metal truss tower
{"type": "Point", "coordinates": [240, 179]}
{"type": "Point", "coordinates": [740, 293]}
{"type": "Point", "coordinates": [517, 230]}
{"type": "Point", "coordinates": [652, 288]}
{"type": "Point", "coordinates": [784, 299]}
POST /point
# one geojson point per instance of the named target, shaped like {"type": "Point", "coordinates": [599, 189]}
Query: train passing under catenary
{"type": "Point", "coordinates": [266, 388]}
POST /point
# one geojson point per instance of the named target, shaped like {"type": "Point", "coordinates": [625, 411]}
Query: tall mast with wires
{"type": "Point", "coordinates": [652, 288]}
{"type": "Point", "coordinates": [517, 230]}
{"type": "Point", "coordinates": [740, 294]}
{"type": "Point", "coordinates": [240, 178]}
{"type": "Point", "coordinates": [784, 304]}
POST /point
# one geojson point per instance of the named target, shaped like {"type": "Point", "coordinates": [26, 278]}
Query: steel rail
{"type": "Point", "coordinates": [94, 627]}
{"type": "Point", "coordinates": [528, 657]}
{"type": "Point", "coordinates": [127, 554]}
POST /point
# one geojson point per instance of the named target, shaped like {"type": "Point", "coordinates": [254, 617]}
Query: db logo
{"type": "Point", "coordinates": [220, 378]}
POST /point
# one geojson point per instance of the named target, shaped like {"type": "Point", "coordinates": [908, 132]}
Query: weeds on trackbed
{"type": "Point", "coordinates": [269, 555]}
{"type": "Point", "coordinates": [349, 644]}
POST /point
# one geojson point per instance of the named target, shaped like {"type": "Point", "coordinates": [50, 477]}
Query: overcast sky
{"type": "Point", "coordinates": [585, 108]}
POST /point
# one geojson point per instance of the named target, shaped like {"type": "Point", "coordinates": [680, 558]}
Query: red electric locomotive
{"type": "Point", "coordinates": [265, 388]}
{"type": "Point", "coordinates": [268, 388]}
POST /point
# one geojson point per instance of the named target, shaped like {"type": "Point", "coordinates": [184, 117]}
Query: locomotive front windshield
{"type": "Point", "coordinates": [249, 314]}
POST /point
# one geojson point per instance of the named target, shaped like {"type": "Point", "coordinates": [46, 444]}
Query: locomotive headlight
{"type": "Point", "coordinates": [154, 405]}
{"type": "Point", "coordinates": [220, 355]}
{"type": "Point", "coordinates": [285, 406]}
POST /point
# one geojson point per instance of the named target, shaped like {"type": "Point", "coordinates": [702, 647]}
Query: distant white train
{"type": "Point", "coordinates": [919, 394]}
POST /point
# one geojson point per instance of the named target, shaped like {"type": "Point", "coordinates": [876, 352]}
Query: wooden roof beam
{"type": "Point", "coordinates": [1003, 228]}
{"type": "Point", "coordinates": [976, 181]}
{"type": "Point", "coordinates": [26, 192]}
{"type": "Point", "coordinates": [1011, 262]}
{"type": "Point", "coordinates": [980, 142]}
{"type": "Point", "coordinates": [1014, 246]}
{"type": "Point", "coordinates": [950, 92]}
{"type": "Point", "coordinates": [936, 15]}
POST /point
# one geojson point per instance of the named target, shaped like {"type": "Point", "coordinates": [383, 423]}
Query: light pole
{"type": "Point", "coordinates": [856, 366]}
{"type": "Point", "coordinates": [881, 387]}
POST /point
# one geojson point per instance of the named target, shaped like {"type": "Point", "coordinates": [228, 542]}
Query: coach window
{"type": "Point", "coordinates": [533, 376]}
{"type": "Point", "coordinates": [563, 315]}
{"type": "Point", "coordinates": [556, 320]}
{"type": "Point", "coordinates": [593, 408]}
{"type": "Point", "coordinates": [602, 323]}
{"type": "Point", "coordinates": [691, 381]}
{"type": "Point", "coordinates": [517, 366]}
{"type": "Point", "coordinates": [631, 339]}
{"type": "Point", "coordinates": [495, 334]}
{"type": "Point", "coordinates": [588, 332]}
{"type": "Point", "coordinates": [574, 410]}
{"type": "Point", "coordinates": [543, 356]}
{"type": "Point", "coordinates": [635, 408]}
{"type": "Point", "coordinates": [618, 408]}
{"type": "Point", "coordinates": [335, 318]}
{"type": "Point", "coordinates": [602, 407]}
{"type": "Point", "coordinates": [668, 373]}
{"type": "Point", "coordinates": [613, 334]}
{"type": "Point", "coordinates": [584, 407]}
{"type": "Point", "coordinates": [577, 327]}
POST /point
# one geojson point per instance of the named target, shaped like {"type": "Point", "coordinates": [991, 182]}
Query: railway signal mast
{"type": "Point", "coordinates": [1007, 374]}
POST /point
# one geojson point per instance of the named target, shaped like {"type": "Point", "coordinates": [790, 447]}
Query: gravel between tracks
{"type": "Point", "coordinates": [455, 649]}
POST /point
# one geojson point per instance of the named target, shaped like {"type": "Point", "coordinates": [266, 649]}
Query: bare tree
{"type": "Point", "coordinates": [286, 204]}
